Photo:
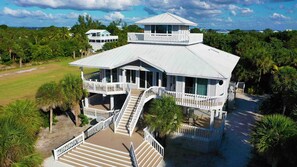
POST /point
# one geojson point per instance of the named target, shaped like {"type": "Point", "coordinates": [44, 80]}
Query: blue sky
{"type": "Point", "coordinates": [214, 14]}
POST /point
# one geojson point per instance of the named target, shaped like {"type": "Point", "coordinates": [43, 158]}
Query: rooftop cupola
{"type": "Point", "coordinates": [166, 28]}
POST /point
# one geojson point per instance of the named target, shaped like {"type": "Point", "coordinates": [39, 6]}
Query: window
{"type": "Point", "coordinates": [130, 76]}
{"type": "Point", "coordinates": [164, 80]}
{"type": "Point", "coordinates": [201, 88]}
{"type": "Point", "coordinates": [107, 74]}
{"type": "Point", "coordinates": [169, 29]}
{"type": "Point", "coordinates": [190, 85]}
{"type": "Point", "coordinates": [161, 29]}
{"type": "Point", "coordinates": [114, 75]}
{"type": "Point", "coordinates": [153, 28]}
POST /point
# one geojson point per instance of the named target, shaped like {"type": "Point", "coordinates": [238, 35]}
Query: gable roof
{"type": "Point", "coordinates": [197, 60]}
{"type": "Point", "coordinates": [166, 19]}
{"type": "Point", "coordinates": [91, 31]}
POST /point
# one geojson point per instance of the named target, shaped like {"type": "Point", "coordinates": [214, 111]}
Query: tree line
{"type": "Point", "coordinates": [268, 65]}
{"type": "Point", "coordinates": [23, 45]}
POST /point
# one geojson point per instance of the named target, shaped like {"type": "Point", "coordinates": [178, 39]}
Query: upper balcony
{"type": "Point", "coordinates": [164, 38]}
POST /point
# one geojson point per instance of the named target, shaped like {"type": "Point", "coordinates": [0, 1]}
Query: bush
{"type": "Point", "coordinates": [83, 119]}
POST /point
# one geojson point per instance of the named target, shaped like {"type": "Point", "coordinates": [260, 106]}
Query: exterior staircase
{"type": "Point", "coordinates": [91, 155]}
{"type": "Point", "coordinates": [147, 155]}
{"type": "Point", "coordinates": [128, 113]}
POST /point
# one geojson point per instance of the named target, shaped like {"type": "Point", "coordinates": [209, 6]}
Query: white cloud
{"type": "Point", "coordinates": [80, 4]}
{"type": "Point", "coordinates": [277, 16]}
{"type": "Point", "coordinates": [25, 13]}
{"type": "Point", "coordinates": [114, 16]}
{"type": "Point", "coordinates": [235, 9]}
{"type": "Point", "coordinates": [22, 13]}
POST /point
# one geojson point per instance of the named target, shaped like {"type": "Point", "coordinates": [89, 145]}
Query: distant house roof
{"type": "Point", "coordinates": [96, 31]}
{"type": "Point", "coordinates": [166, 19]}
{"type": "Point", "coordinates": [197, 60]}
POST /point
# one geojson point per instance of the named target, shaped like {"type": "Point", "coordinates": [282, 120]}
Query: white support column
{"type": "Point", "coordinates": [104, 75]}
{"type": "Point", "coordinates": [86, 102]}
{"type": "Point", "coordinates": [111, 80]}
{"type": "Point", "coordinates": [111, 107]}
{"type": "Point", "coordinates": [82, 73]}
{"type": "Point", "coordinates": [160, 79]}
{"type": "Point", "coordinates": [124, 76]}
{"type": "Point", "coordinates": [211, 122]}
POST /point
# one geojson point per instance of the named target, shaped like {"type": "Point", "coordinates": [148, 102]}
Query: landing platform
{"type": "Point", "coordinates": [108, 138]}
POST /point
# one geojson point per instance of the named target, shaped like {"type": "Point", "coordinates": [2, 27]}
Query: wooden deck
{"type": "Point", "coordinates": [108, 138]}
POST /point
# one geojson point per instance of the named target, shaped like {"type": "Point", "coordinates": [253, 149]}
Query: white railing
{"type": "Point", "coordinates": [94, 113]}
{"type": "Point", "coordinates": [99, 126]}
{"type": "Point", "coordinates": [58, 152]}
{"type": "Point", "coordinates": [104, 88]}
{"type": "Point", "coordinates": [189, 38]}
{"type": "Point", "coordinates": [121, 113]}
{"type": "Point", "coordinates": [147, 95]}
{"type": "Point", "coordinates": [197, 101]}
{"type": "Point", "coordinates": [133, 156]}
{"type": "Point", "coordinates": [200, 133]}
{"type": "Point", "coordinates": [153, 142]}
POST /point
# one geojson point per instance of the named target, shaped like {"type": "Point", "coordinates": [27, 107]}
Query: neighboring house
{"type": "Point", "coordinates": [165, 60]}
{"type": "Point", "coordinates": [97, 38]}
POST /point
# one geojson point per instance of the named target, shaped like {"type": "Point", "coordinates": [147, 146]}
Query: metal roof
{"type": "Point", "coordinates": [166, 19]}
{"type": "Point", "coordinates": [197, 60]}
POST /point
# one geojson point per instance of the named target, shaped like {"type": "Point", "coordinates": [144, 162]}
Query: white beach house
{"type": "Point", "coordinates": [97, 38]}
{"type": "Point", "coordinates": [166, 59]}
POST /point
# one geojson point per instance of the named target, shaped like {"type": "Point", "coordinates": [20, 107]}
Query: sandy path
{"type": "Point", "coordinates": [235, 149]}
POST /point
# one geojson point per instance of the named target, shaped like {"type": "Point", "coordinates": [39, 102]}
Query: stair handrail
{"type": "Point", "coordinates": [152, 141]}
{"type": "Point", "coordinates": [133, 155]}
{"type": "Point", "coordinates": [121, 113]}
{"type": "Point", "coordinates": [143, 100]}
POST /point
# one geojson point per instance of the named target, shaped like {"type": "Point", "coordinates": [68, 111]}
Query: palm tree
{"type": "Point", "coordinates": [19, 127]}
{"type": "Point", "coordinates": [72, 93]}
{"type": "Point", "coordinates": [48, 97]}
{"type": "Point", "coordinates": [271, 136]}
{"type": "Point", "coordinates": [164, 116]}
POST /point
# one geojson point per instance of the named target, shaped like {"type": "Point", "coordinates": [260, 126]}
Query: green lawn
{"type": "Point", "coordinates": [24, 85]}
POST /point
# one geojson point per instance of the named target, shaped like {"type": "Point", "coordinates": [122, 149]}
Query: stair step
{"type": "Point", "coordinates": [106, 148]}
{"type": "Point", "coordinates": [87, 158]}
{"type": "Point", "coordinates": [117, 154]}
{"type": "Point", "coordinates": [70, 162]}
{"type": "Point", "coordinates": [79, 161]}
{"type": "Point", "coordinates": [100, 158]}
{"type": "Point", "coordinates": [145, 154]}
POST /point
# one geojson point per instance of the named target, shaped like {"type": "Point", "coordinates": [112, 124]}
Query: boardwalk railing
{"type": "Point", "coordinates": [165, 38]}
{"type": "Point", "coordinates": [94, 113]}
{"type": "Point", "coordinates": [104, 88]}
{"type": "Point", "coordinates": [133, 156]}
{"type": "Point", "coordinates": [147, 95]}
{"type": "Point", "coordinates": [98, 126]}
{"type": "Point", "coordinates": [58, 152]}
{"type": "Point", "coordinates": [153, 142]}
{"type": "Point", "coordinates": [117, 120]}
{"type": "Point", "coordinates": [197, 101]}
{"type": "Point", "coordinates": [71, 144]}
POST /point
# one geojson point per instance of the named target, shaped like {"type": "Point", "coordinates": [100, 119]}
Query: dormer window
{"type": "Point", "coordinates": [161, 29]}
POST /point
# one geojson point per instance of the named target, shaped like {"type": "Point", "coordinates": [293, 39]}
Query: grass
{"type": "Point", "coordinates": [15, 85]}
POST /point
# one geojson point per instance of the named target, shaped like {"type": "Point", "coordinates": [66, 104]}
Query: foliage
{"type": "Point", "coordinates": [164, 116]}
{"type": "Point", "coordinates": [48, 97]}
{"type": "Point", "coordinates": [33, 160]}
{"type": "Point", "coordinates": [72, 93]}
{"type": "Point", "coordinates": [83, 119]}
{"type": "Point", "coordinates": [18, 129]}
{"type": "Point", "coordinates": [272, 136]}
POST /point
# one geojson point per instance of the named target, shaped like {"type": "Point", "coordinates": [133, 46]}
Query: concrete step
{"type": "Point", "coordinates": [92, 155]}
{"type": "Point", "coordinates": [147, 156]}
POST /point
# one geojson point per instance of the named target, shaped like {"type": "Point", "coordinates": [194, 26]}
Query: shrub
{"type": "Point", "coordinates": [83, 119]}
